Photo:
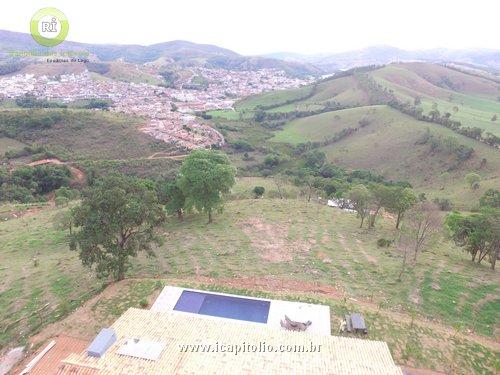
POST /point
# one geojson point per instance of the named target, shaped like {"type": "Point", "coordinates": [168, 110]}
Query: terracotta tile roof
{"type": "Point", "coordinates": [338, 355]}
{"type": "Point", "coordinates": [65, 345]}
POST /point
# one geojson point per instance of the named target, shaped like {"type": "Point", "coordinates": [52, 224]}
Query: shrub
{"type": "Point", "coordinates": [258, 191]}
{"type": "Point", "coordinates": [444, 204]}
{"type": "Point", "coordinates": [384, 242]}
{"type": "Point", "coordinates": [242, 145]}
{"type": "Point", "coordinates": [143, 303]}
{"type": "Point", "coordinates": [272, 160]}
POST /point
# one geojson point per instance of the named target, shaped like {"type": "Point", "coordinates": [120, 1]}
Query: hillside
{"type": "Point", "coordinates": [343, 117]}
{"type": "Point", "coordinates": [469, 99]}
{"type": "Point", "coordinates": [99, 140]}
{"type": "Point", "coordinates": [321, 255]}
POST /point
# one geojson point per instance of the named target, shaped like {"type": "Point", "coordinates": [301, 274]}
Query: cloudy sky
{"type": "Point", "coordinates": [263, 26]}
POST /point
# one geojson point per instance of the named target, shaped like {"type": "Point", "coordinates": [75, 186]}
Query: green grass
{"type": "Point", "coordinates": [345, 91]}
{"type": "Point", "coordinates": [56, 277]}
{"type": "Point", "coordinates": [319, 127]}
{"type": "Point", "coordinates": [474, 97]}
{"type": "Point", "coordinates": [388, 146]}
{"type": "Point", "coordinates": [271, 98]}
{"type": "Point", "coordinates": [227, 114]}
{"type": "Point", "coordinates": [325, 246]}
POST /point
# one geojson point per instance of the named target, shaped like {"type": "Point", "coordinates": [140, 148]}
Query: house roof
{"type": "Point", "coordinates": [64, 345]}
{"type": "Point", "coordinates": [333, 355]}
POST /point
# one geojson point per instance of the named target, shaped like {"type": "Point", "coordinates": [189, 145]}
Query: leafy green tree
{"type": "Point", "coordinates": [174, 199]}
{"type": "Point", "coordinates": [360, 197]}
{"type": "Point", "coordinates": [400, 201]}
{"type": "Point", "coordinates": [381, 197]}
{"type": "Point", "coordinates": [205, 176]}
{"type": "Point", "coordinates": [315, 159]}
{"type": "Point", "coordinates": [272, 160]}
{"type": "Point", "coordinates": [478, 234]}
{"type": "Point", "coordinates": [117, 218]}
{"type": "Point", "coordinates": [258, 191]}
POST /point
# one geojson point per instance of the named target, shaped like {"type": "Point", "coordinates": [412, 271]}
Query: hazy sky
{"type": "Point", "coordinates": [262, 26]}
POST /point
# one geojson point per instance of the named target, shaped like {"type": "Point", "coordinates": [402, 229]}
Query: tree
{"type": "Point", "coordinates": [360, 197]}
{"type": "Point", "coordinates": [258, 191]}
{"type": "Point", "coordinates": [205, 176]}
{"type": "Point", "coordinates": [400, 201]}
{"type": "Point", "coordinates": [305, 177]}
{"type": "Point", "coordinates": [272, 160]}
{"type": "Point", "coordinates": [315, 159]}
{"type": "Point", "coordinates": [117, 218]}
{"type": "Point", "coordinates": [473, 180]}
{"type": "Point", "coordinates": [478, 234]}
{"type": "Point", "coordinates": [381, 197]}
{"type": "Point", "coordinates": [422, 222]}
{"type": "Point", "coordinates": [172, 196]}
{"type": "Point", "coordinates": [279, 181]}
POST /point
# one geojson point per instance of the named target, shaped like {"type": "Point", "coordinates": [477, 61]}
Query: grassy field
{"type": "Point", "coordinates": [388, 146]}
{"type": "Point", "coordinates": [345, 91]}
{"type": "Point", "coordinates": [324, 125]}
{"type": "Point", "coordinates": [470, 100]}
{"type": "Point", "coordinates": [300, 247]}
{"type": "Point", "coordinates": [272, 98]}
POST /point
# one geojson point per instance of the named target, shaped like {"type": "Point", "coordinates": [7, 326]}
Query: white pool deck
{"type": "Point", "coordinates": [319, 315]}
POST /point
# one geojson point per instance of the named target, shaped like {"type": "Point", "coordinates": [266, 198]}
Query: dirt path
{"type": "Point", "coordinates": [369, 258]}
{"type": "Point", "coordinates": [162, 155]}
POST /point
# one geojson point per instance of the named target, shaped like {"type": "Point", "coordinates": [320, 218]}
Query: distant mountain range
{"type": "Point", "coordinates": [188, 53]}
{"type": "Point", "coordinates": [178, 51]}
{"type": "Point", "coordinates": [378, 55]}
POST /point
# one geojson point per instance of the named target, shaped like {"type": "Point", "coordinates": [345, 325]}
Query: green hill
{"type": "Point", "coordinates": [348, 118]}
{"type": "Point", "coordinates": [469, 99]}
{"type": "Point", "coordinates": [285, 248]}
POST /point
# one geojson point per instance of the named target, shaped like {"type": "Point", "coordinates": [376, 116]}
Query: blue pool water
{"type": "Point", "coordinates": [251, 310]}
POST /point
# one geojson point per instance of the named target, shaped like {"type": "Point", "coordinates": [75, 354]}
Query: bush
{"type": "Point", "coordinates": [61, 201]}
{"type": "Point", "coordinates": [15, 193]}
{"type": "Point", "coordinates": [98, 104]}
{"type": "Point", "coordinates": [66, 192]}
{"type": "Point", "coordinates": [144, 303]}
{"type": "Point", "coordinates": [384, 242]}
{"type": "Point", "coordinates": [258, 191]}
{"type": "Point", "coordinates": [242, 145]}
{"type": "Point", "coordinates": [444, 204]}
{"type": "Point", "coordinates": [272, 160]}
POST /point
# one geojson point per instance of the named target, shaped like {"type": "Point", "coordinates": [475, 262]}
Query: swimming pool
{"type": "Point", "coordinates": [223, 306]}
